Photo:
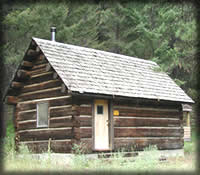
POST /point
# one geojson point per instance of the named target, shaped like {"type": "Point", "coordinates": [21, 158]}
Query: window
{"type": "Point", "coordinates": [42, 114]}
{"type": "Point", "coordinates": [99, 109]}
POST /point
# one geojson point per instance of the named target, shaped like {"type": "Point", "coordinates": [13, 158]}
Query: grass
{"type": "Point", "coordinates": [148, 161]}
{"type": "Point", "coordinates": [189, 147]}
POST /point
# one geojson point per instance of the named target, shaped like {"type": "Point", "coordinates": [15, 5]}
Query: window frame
{"type": "Point", "coordinates": [38, 118]}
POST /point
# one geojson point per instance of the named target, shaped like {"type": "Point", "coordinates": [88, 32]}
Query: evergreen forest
{"type": "Point", "coordinates": [162, 31]}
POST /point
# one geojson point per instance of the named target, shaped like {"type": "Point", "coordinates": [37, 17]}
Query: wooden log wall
{"type": "Point", "coordinates": [138, 126]}
{"type": "Point", "coordinates": [85, 121]}
{"type": "Point", "coordinates": [35, 84]}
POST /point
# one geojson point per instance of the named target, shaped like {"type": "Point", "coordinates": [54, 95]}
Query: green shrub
{"type": "Point", "coordinates": [9, 140]}
{"type": "Point", "coordinates": [10, 131]}
{"type": "Point", "coordinates": [23, 149]}
{"type": "Point", "coordinates": [9, 148]}
{"type": "Point", "coordinates": [79, 160]}
{"type": "Point", "coordinates": [189, 147]}
{"type": "Point", "coordinates": [79, 148]}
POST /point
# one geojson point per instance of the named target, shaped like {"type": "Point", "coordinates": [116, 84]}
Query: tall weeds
{"type": "Point", "coordinates": [147, 161]}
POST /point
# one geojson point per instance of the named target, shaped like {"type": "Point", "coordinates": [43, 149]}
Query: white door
{"type": "Point", "coordinates": [101, 134]}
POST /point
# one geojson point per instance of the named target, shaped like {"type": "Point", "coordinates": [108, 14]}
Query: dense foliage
{"type": "Point", "coordinates": [159, 31]}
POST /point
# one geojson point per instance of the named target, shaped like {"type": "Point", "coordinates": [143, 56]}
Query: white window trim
{"type": "Point", "coordinates": [37, 109]}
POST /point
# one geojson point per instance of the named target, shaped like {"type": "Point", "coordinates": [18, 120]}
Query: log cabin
{"type": "Point", "coordinates": [65, 95]}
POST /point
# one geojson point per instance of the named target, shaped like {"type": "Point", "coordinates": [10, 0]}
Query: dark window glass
{"type": "Point", "coordinates": [99, 109]}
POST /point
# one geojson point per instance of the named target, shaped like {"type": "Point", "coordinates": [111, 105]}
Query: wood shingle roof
{"type": "Point", "coordinates": [86, 70]}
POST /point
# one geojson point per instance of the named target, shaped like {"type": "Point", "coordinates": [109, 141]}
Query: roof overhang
{"type": "Point", "coordinates": [109, 97]}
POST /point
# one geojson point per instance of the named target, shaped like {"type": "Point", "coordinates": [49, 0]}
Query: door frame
{"type": "Point", "coordinates": [110, 127]}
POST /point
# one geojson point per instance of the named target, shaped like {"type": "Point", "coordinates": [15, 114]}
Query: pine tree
{"type": "Point", "coordinates": [159, 31]}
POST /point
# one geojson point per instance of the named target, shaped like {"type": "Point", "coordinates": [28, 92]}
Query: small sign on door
{"type": "Point", "coordinates": [115, 112]}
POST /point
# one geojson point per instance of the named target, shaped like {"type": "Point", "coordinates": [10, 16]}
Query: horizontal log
{"type": "Point", "coordinates": [149, 113]}
{"type": "Point", "coordinates": [148, 132]}
{"type": "Point", "coordinates": [59, 112]}
{"type": "Point", "coordinates": [153, 122]}
{"type": "Point", "coordinates": [30, 124]}
{"type": "Point", "coordinates": [40, 78]}
{"type": "Point", "coordinates": [86, 132]}
{"type": "Point", "coordinates": [51, 92]}
{"type": "Point", "coordinates": [35, 67]}
{"type": "Point", "coordinates": [85, 105]}
{"type": "Point", "coordinates": [22, 74]}
{"type": "Point", "coordinates": [85, 110]}
{"type": "Point", "coordinates": [45, 134]}
{"type": "Point", "coordinates": [41, 75]}
{"type": "Point", "coordinates": [29, 115]}
{"type": "Point", "coordinates": [42, 85]}
{"type": "Point", "coordinates": [141, 143]}
{"type": "Point", "coordinates": [86, 121]}
{"type": "Point", "coordinates": [38, 62]}
{"type": "Point", "coordinates": [17, 85]}
{"type": "Point", "coordinates": [61, 122]}
{"type": "Point", "coordinates": [53, 123]}
{"type": "Point", "coordinates": [37, 71]}
{"type": "Point", "coordinates": [27, 64]}
{"type": "Point", "coordinates": [55, 101]}
{"type": "Point", "coordinates": [57, 146]}
{"type": "Point", "coordinates": [11, 100]}
{"type": "Point", "coordinates": [61, 107]}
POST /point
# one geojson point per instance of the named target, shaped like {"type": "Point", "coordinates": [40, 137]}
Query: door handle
{"type": "Point", "coordinates": [108, 122]}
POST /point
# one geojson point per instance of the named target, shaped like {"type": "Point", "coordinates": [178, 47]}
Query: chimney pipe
{"type": "Point", "coordinates": [53, 33]}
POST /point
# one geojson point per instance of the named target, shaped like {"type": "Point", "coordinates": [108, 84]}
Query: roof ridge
{"type": "Point", "coordinates": [97, 50]}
